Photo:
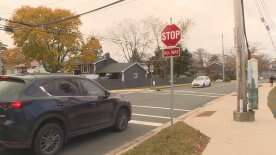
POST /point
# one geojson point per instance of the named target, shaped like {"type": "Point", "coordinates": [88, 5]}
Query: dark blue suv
{"type": "Point", "coordinates": [43, 112]}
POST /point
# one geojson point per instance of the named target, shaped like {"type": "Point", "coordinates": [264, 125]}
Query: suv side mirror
{"type": "Point", "coordinates": [107, 94]}
{"type": "Point", "coordinates": [104, 96]}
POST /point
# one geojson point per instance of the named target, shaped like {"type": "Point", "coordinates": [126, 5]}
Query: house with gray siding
{"type": "Point", "coordinates": [91, 68]}
{"type": "Point", "coordinates": [125, 72]}
{"type": "Point", "coordinates": [108, 68]}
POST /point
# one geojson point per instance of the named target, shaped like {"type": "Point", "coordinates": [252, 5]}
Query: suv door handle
{"type": "Point", "coordinates": [60, 105]}
{"type": "Point", "coordinates": [92, 103]}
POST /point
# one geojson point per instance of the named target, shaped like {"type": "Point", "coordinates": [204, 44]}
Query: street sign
{"type": "Point", "coordinates": [171, 52]}
{"type": "Point", "coordinates": [171, 35]}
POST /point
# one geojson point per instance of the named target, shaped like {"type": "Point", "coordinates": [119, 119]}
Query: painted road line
{"type": "Point", "coordinates": [163, 108]}
{"type": "Point", "coordinates": [152, 116]}
{"type": "Point", "coordinates": [192, 93]}
{"type": "Point", "coordinates": [127, 93]}
{"type": "Point", "coordinates": [145, 123]}
{"type": "Point", "coordinates": [211, 88]}
{"type": "Point", "coordinates": [211, 96]}
{"type": "Point", "coordinates": [196, 92]}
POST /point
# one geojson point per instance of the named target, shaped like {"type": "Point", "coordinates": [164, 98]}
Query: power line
{"type": "Point", "coordinates": [81, 14]}
{"type": "Point", "coordinates": [266, 12]}
{"type": "Point", "coordinates": [60, 32]}
{"type": "Point", "coordinates": [44, 26]}
{"type": "Point", "coordinates": [8, 28]}
{"type": "Point", "coordinates": [16, 22]}
{"type": "Point", "coordinates": [62, 19]}
{"type": "Point", "coordinates": [267, 27]}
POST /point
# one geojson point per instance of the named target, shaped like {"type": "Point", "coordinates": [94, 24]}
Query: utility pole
{"type": "Point", "coordinates": [223, 58]}
{"type": "Point", "coordinates": [241, 113]}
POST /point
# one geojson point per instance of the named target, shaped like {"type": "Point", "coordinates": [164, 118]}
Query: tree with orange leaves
{"type": "Point", "coordinates": [50, 44]}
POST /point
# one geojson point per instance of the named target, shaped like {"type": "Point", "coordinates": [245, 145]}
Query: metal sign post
{"type": "Point", "coordinates": [170, 36]}
{"type": "Point", "coordinates": [172, 91]}
{"type": "Point", "coordinates": [151, 75]}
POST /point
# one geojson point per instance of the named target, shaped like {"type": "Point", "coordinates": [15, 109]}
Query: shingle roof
{"type": "Point", "coordinates": [115, 68]}
{"type": "Point", "coordinates": [99, 59]}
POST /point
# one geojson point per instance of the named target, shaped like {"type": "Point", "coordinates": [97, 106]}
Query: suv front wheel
{"type": "Point", "coordinates": [48, 140]}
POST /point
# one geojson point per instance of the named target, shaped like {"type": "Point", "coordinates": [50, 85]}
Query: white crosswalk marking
{"type": "Point", "coordinates": [151, 107]}
{"type": "Point", "coordinates": [145, 123]}
{"type": "Point", "coordinates": [152, 116]}
{"type": "Point", "coordinates": [182, 94]}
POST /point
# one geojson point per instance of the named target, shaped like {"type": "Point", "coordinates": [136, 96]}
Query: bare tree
{"type": "Point", "coordinates": [137, 38]}
{"type": "Point", "coordinates": [133, 40]}
{"type": "Point", "coordinates": [155, 26]}
{"type": "Point", "coordinates": [263, 59]}
{"type": "Point", "coordinates": [230, 66]}
{"type": "Point", "coordinates": [263, 62]}
{"type": "Point", "coordinates": [201, 58]}
{"type": "Point", "coordinates": [184, 25]}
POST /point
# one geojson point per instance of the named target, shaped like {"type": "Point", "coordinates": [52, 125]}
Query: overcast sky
{"type": "Point", "coordinates": [210, 18]}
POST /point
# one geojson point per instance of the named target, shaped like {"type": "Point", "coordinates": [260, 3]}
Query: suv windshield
{"type": "Point", "coordinates": [10, 90]}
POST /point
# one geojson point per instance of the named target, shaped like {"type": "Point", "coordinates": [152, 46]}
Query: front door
{"type": "Point", "coordinates": [103, 106]}
{"type": "Point", "coordinates": [68, 92]}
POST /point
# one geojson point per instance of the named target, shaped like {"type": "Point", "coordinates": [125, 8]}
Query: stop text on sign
{"type": "Point", "coordinates": [171, 52]}
{"type": "Point", "coordinates": [171, 35]}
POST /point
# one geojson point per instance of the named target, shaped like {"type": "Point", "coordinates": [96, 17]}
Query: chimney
{"type": "Point", "coordinates": [106, 56]}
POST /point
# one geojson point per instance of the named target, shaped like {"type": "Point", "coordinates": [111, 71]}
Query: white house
{"type": "Point", "coordinates": [35, 67]}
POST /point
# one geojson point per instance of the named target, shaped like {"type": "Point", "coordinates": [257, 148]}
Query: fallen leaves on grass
{"type": "Point", "coordinates": [180, 139]}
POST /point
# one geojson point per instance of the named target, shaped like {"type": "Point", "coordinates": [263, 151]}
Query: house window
{"type": "Point", "coordinates": [85, 68]}
{"type": "Point", "coordinates": [113, 75]}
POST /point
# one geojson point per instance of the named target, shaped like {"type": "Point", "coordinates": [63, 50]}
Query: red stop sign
{"type": "Point", "coordinates": [171, 35]}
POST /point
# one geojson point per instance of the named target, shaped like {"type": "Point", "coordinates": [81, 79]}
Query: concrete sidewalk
{"type": "Point", "coordinates": [234, 138]}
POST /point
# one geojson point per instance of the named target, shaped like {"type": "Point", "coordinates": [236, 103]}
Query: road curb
{"type": "Point", "coordinates": [128, 146]}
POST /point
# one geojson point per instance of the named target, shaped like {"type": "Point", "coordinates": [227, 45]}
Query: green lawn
{"type": "Point", "coordinates": [180, 139]}
{"type": "Point", "coordinates": [272, 101]}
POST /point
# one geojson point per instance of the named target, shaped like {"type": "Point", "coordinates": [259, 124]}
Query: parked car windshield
{"type": "Point", "coordinates": [10, 90]}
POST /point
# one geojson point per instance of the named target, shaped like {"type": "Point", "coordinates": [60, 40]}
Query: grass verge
{"type": "Point", "coordinates": [179, 139]}
{"type": "Point", "coordinates": [272, 101]}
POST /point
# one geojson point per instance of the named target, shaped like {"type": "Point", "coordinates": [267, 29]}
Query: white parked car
{"type": "Point", "coordinates": [201, 81]}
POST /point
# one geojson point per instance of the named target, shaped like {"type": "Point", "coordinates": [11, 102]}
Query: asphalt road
{"type": "Point", "coordinates": [150, 110]}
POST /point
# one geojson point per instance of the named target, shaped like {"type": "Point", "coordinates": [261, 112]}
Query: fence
{"type": "Point", "coordinates": [112, 84]}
